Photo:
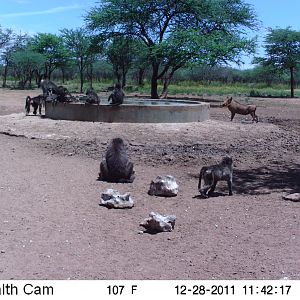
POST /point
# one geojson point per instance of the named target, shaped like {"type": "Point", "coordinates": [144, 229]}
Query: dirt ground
{"type": "Point", "coordinates": [52, 226]}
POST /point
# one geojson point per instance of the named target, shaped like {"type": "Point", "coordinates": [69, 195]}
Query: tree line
{"type": "Point", "coordinates": [156, 40]}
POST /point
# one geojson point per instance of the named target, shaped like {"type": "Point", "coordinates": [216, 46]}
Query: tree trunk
{"type": "Point", "coordinates": [5, 75]}
{"type": "Point", "coordinates": [81, 75]}
{"type": "Point", "coordinates": [141, 76]}
{"type": "Point", "coordinates": [124, 73]}
{"type": "Point", "coordinates": [292, 82]}
{"type": "Point", "coordinates": [154, 78]}
{"type": "Point", "coordinates": [63, 75]}
{"type": "Point", "coordinates": [167, 81]}
{"type": "Point", "coordinates": [164, 93]}
{"type": "Point", "coordinates": [91, 75]}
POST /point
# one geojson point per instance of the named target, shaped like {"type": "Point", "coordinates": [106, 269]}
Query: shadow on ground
{"type": "Point", "coordinates": [264, 180]}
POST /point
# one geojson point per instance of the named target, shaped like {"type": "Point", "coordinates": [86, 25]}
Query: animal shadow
{"type": "Point", "coordinates": [264, 180]}
{"type": "Point", "coordinates": [215, 194]}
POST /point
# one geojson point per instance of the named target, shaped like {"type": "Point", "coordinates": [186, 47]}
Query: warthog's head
{"type": "Point", "coordinates": [226, 102]}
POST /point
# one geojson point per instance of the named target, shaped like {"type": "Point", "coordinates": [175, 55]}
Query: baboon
{"type": "Point", "coordinates": [238, 108]}
{"type": "Point", "coordinates": [212, 174]}
{"type": "Point", "coordinates": [62, 94]}
{"type": "Point", "coordinates": [117, 96]}
{"type": "Point", "coordinates": [48, 87]}
{"type": "Point", "coordinates": [36, 102]}
{"type": "Point", "coordinates": [116, 167]}
{"type": "Point", "coordinates": [92, 97]}
{"type": "Point", "coordinates": [52, 92]}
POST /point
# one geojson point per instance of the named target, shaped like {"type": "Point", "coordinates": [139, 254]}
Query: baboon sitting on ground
{"type": "Point", "coordinates": [116, 166]}
{"type": "Point", "coordinates": [212, 174]}
{"type": "Point", "coordinates": [117, 96]}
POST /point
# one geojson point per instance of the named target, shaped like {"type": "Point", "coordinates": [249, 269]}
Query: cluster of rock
{"type": "Point", "coordinates": [165, 186]}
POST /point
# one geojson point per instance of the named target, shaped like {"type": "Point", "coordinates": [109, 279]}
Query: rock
{"type": "Point", "coordinates": [113, 199]}
{"type": "Point", "coordinates": [159, 223]}
{"type": "Point", "coordinates": [292, 197]}
{"type": "Point", "coordinates": [163, 186]}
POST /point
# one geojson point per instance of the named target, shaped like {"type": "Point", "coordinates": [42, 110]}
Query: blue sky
{"type": "Point", "coordinates": [275, 13]}
{"type": "Point", "coordinates": [34, 16]}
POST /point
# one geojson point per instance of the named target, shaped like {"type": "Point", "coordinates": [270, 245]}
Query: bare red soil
{"type": "Point", "coordinates": [52, 226]}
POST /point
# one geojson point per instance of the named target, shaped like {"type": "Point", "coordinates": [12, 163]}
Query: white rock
{"type": "Point", "coordinates": [163, 186]}
{"type": "Point", "coordinates": [159, 223]}
{"type": "Point", "coordinates": [113, 199]}
{"type": "Point", "coordinates": [292, 197]}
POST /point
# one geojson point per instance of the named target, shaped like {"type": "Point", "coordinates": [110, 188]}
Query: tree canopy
{"type": "Point", "coordinates": [178, 32]}
{"type": "Point", "coordinates": [79, 44]}
{"type": "Point", "coordinates": [282, 48]}
{"type": "Point", "coordinates": [53, 48]}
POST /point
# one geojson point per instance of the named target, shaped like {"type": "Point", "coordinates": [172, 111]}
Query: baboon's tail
{"type": "Point", "coordinates": [202, 171]}
{"type": "Point", "coordinates": [27, 104]}
{"type": "Point", "coordinates": [27, 101]}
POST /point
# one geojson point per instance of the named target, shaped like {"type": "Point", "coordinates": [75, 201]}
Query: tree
{"type": "Point", "coordinates": [53, 48]}
{"type": "Point", "coordinates": [26, 63]}
{"type": "Point", "coordinates": [5, 36]}
{"type": "Point", "coordinates": [79, 44]}
{"type": "Point", "coordinates": [15, 43]}
{"type": "Point", "coordinates": [120, 53]}
{"type": "Point", "coordinates": [282, 51]}
{"type": "Point", "coordinates": [177, 32]}
{"type": "Point", "coordinates": [265, 73]}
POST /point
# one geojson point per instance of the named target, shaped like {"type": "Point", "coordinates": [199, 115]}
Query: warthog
{"type": "Point", "coordinates": [238, 108]}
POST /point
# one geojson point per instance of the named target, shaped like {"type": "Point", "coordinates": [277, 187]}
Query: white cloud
{"type": "Point", "coordinates": [54, 10]}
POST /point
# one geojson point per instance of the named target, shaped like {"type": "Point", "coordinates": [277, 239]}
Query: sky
{"type": "Point", "coordinates": [33, 16]}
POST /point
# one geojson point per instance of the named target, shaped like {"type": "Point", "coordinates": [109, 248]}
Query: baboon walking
{"type": "Point", "coordinates": [212, 174]}
{"type": "Point", "coordinates": [117, 96]}
{"type": "Point", "coordinates": [116, 167]}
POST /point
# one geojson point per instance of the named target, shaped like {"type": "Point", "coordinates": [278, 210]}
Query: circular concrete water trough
{"type": "Point", "coordinates": [132, 111]}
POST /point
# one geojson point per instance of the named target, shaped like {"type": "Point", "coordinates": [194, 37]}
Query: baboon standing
{"type": "Point", "coordinates": [116, 166]}
{"type": "Point", "coordinates": [52, 92]}
{"type": "Point", "coordinates": [117, 96]}
{"type": "Point", "coordinates": [48, 87]}
{"type": "Point", "coordinates": [212, 174]}
{"type": "Point", "coordinates": [35, 102]}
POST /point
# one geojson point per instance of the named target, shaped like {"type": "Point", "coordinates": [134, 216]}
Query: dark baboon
{"type": "Point", "coordinates": [36, 102]}
{"type": "Point", "coordinates": [212, 174]}
{"type": "Point", "coordinates": [117, 96]}
{"type": "Point", "coordinates": [52, 92]}
{"type": "Point", "coordinates": [92, 97]}
{"type": "Point", "coordinates": [61, 93]}
{"type": "Point", "coordinates": [48, 87]}
{"type": "Point", "coordinates": [116, 166]}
